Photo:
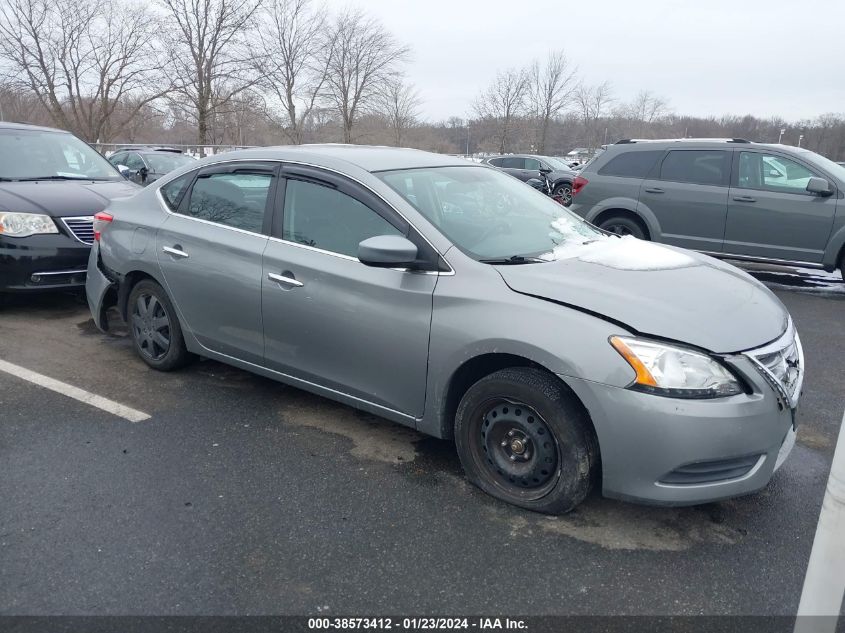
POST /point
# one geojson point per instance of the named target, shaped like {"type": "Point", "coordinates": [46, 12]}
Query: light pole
{"type": "Point", "coordinates": [800, 138]}
{"type": "Point", "coordinates": [782, 132]}
{"type": "Point", "coordinates": [467, 140]}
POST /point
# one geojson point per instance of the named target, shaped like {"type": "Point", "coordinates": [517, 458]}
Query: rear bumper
{"type": "Point", "coordinates": [42, 262]}
{"type": "Point", "coordinates": [682, 452]}
{"type": "Point", "coordinates": [97, 286]}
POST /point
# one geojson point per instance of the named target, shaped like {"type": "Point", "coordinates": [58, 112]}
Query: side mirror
{"type": "Point", "coordinates": [124, 171]}
{"type": "Point", "coordinates": [545, 170]}
{"type": "Point", "coordinates": [387, 251]}
{"type": "Point", "coordinates": [143, 173]}
{"type": "Point", "coordinates": [819, 186]}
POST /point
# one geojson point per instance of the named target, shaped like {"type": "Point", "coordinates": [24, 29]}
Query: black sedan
{"type": "Point", "coordinates": [51, 185]}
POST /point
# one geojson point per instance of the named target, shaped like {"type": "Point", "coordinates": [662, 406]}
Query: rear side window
{"type": "Point", "coordinates": [703, 167]}
{"type": "Point", "coordinates": [172, 191]}
{"type": "Point", "coordinates": [631, 164]}
{"type": "Point", "coordinates": [496, 162]}
{"type": "Point", "coordinates": [238, 200]}
{"type": "Point", "coordinates": [512, 162]}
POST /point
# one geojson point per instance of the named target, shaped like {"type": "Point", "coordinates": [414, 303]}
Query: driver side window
{"type": "Point", "coordinates": [323, 217]}
{"type": "Point", "coordinates": [133, 161]}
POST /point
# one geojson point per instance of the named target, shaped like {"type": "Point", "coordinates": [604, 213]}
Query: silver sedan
{"type": "Point", "coordinates": [452, 298]}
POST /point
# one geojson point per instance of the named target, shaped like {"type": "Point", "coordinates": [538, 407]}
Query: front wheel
{"type": "Point", "coordinates": [524, 438]}
{"type": "Point", "coordinates": [155, 329]}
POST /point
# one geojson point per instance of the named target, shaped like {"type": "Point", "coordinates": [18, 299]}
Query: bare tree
{"type": "Point", "coordinates": [400, 104]}
{"type": "Point", "coordinates": [293, 59]}
{"type": "Point", "coordinates": [551, 88]}
{"type": "Point", "coordinates": [645, 109]}
{"type": "Point", "coordinates": [592, 103]}
{"type": "Point", "coordinates": [503, 102]}
{"type": "Point", "coordinates": [81, 58]}
{"type": "Point", "coordinates": [364, 56]}
{"type": "Point", "coordinates": [208, 55]}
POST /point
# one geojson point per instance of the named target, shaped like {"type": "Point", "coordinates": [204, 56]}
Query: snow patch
{"type": "Point", "coordinates": [624, 253]}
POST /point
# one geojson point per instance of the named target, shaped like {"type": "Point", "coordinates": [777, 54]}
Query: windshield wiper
{"type": "Point", "coordinates": [513, 260]}
{"type": "Point", "coordinates": [59, 178]}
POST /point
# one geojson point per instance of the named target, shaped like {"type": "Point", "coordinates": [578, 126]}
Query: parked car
{"type": "Point", "coordinates": [526, 166]}
{"type": "Point", "coordinates": [51, 185]}
{"type": "Point", "coordinates": [729, 198]}
{"type": "Point", "coordinates": [449, 297]}
{"type": "Point", "coordinates": [144, 165]}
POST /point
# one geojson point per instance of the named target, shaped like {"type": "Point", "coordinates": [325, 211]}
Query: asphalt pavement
{"type": "Point", "coordinates": [242, 496]}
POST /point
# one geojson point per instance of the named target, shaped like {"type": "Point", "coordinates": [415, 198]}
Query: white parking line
{"type": "Point", "coordinates": [110, 406]}
{"type": "Point", "coordinates": [824, 584]}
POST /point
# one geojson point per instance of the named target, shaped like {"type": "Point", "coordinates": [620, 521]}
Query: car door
{"type": "Point", "coordinates": [515, 166]}
{"type": "Point", "coordinates": [688, 195]}
{"type": "Point", "coordinates": [209, 249]}
{"type": "Point", "coordinates": [531, 168]}
{"type": "Point", "coordinates": [329, 319]}
{"type": "Point", "coordinates": [770, 212]}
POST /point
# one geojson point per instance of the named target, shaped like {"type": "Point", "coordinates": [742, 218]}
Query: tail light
{"type": "Point", "coordinates": [578, 184]}
{"type": "Point", "coordinates": [101, 221]}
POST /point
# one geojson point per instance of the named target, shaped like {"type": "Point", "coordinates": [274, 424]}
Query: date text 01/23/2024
{"type": "Point", "coordinates": [415, 624]}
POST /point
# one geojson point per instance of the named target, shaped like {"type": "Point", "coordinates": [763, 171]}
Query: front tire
{"type": "Point", "coordinates": [523, 437]}
{"type": "Point", "coordinates": [154, 327]}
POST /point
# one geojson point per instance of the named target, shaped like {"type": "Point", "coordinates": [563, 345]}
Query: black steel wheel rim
{"type": "Point", "coordinates": [151, 326]}
{"type": "Point", "coordinates": [516, 448]}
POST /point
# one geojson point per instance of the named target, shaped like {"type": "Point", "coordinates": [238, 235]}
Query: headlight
{"type": "Point", "coordinates": [674, 371]}
{"type": "Point", "coordinates": [25, 224]}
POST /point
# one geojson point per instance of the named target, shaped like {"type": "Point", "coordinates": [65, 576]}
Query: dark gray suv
{"type": "Point", "coordinates": [527, 166]}
{"type": "Point", "coordinates": [726, 197]}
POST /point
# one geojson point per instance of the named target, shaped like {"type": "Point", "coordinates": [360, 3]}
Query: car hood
{"type": "Point", "coordinates": [62, 197]}
{"type": "Point", "coordinates": [657, 291]}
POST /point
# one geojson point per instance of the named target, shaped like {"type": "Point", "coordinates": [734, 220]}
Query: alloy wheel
{"type": "Point", "coordinates": [151, 326]}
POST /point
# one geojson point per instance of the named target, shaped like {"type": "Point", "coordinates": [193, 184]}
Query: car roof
{"type": "Point", "coordinates": [371, 158]}
{"type": "Point", "coordinates": [14, 125]}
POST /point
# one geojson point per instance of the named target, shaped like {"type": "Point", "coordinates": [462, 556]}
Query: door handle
{"type": "Point", "coordinates": [745, 199]}
{"type": "Point", "coordinates": [288, 281]}
{"type": "Point", "coordinates": [654, 190]}
{"type": "Point", "coordinates": [176, 251]}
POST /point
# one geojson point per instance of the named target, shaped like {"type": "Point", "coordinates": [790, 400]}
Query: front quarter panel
{"type": "Point", "coordinates": [475, 314]}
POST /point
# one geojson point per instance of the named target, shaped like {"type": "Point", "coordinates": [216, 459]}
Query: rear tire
{"type": "Point", "coordinates": [564, 192]}
{"type": "Point", "coordinates": [154, 327]}
{"type": "Point", "coordinates": [624, 225]}
{"type": "Point", "coordinates": [523, 437]}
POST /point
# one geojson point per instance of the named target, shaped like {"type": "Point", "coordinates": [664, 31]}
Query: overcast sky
{"type": "Point", "coordinates": [707, 57]}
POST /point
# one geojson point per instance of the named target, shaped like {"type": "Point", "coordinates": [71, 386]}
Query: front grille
{"type": "Point", "coordinates": [783, 362]}
{"type": "Point", "coordinates": [81, 227]}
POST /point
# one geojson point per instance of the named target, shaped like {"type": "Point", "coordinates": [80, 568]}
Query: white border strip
{"type": "Point", "coordinates": [110, 406]}
{"type": "Point", "coordinates": [824, 584]}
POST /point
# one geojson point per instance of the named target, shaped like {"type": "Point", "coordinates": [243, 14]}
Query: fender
{"type": "Point", "coordinates": [632, 206]}
{"type": "Point", "coordinates": [835, 245]}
